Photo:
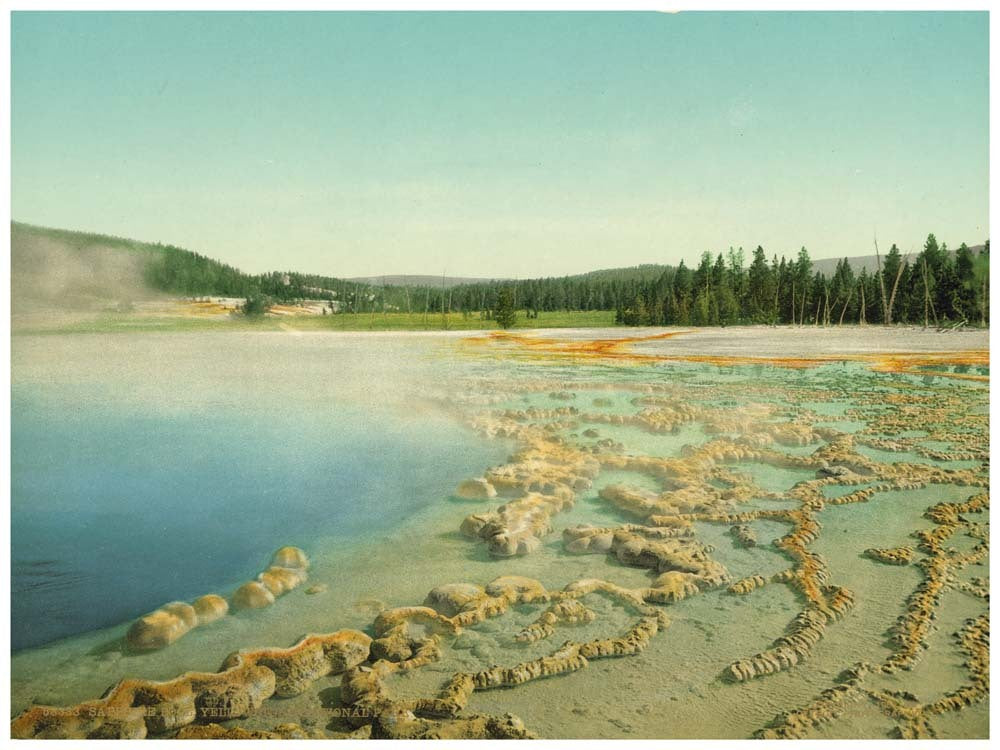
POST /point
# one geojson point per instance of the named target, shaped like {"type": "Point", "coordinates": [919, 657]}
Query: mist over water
{"type": "Point", "coordinates": [146, 470]}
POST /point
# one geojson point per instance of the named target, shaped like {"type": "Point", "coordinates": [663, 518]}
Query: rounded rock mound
{"type": "Point", "coordinates": [162, 627]}
{"type": "Point", "coordinates": [290, 557]}
{"type": "Point", "coordinates": [252, 595]}
{"type": "Point", "coordinates": [210, 607]}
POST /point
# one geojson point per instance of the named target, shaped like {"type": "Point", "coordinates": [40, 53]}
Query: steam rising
{"type": "Point", "coordinates": [50, 277]}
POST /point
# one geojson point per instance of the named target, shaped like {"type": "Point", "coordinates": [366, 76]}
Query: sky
{"type": "Point", "coordinates": [501, 144]}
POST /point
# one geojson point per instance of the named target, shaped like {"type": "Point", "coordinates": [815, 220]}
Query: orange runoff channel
{"type": "Point", "coordinates": [912, 363]}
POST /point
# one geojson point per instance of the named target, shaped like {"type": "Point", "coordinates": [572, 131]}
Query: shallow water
{"type": "Point", "coordinates": [164, 467]}
{"type": "Point", "coordinates": [100, 503]}
{"type": "Point", "coordinates": [213, 470]}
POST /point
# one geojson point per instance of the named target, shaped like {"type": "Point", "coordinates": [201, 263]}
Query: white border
{"type": "Point", "coordinates": [563, 5]}
{"type": "Point", "coordinates": [665, 6]}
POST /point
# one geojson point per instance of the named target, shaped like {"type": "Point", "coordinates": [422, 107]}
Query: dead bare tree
{"type": "Point", "coordinates": [850, 295]}
{"type": "Point", "coordinates": [881, 282]}
{"type": "Point", "coordinates": [982, 308]}
{"type": "Point", "coordinates": [928, 302]}
{"type": "Point", "coordinates": [895, 286]}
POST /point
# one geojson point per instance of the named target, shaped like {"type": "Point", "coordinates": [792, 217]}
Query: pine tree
{"type": "Point", "coordinates": [759, 286]}
{"type": "Point", "coordinates": [505, 314]}
{"type": "Point", "coordinates": [965, 270]}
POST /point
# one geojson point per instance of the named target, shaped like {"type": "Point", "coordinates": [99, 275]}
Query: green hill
{"type": "Point", "coordinates": [80, 270]}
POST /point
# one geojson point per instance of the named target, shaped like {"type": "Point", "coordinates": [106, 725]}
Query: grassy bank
{"type": "Point", "coordinates": [392, 321]}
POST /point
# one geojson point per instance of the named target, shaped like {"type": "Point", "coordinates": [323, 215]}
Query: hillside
{"type": "Point", "coordinates": [80, 270]}
{"type": "Point", "coordinates": [644, 272]}
{"type": "Point", "coordinates": [68, 270]}
{"type": "Point", "coordinates": [868, 262]}
{"type": "Point", "coordinates": [55, 270]}
{"type": "Point", "coordinates": [435, 282]}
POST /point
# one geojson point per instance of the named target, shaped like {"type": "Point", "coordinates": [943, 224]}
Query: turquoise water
{"type": "Point", "coordinates": [120, 505]}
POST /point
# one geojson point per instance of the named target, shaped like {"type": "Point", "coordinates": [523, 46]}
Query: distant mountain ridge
{"type": "Point", "coordinates": [435, 282]}
{"type": "Point", "coordinates": [870, 262]}
{"type": "Point", "coordinates": [642, 272]}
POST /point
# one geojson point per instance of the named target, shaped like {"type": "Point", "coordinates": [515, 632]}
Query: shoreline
{"type": "Point", "coordinates": [402, 323]}
{"type": "Point", "coordinates": [821, 340]}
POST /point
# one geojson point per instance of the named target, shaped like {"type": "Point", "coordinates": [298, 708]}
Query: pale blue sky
{"type": "Point", "coordinates": [490, 144]}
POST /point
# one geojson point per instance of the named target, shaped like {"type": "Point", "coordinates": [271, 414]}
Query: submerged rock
{"type": "Point", "coordinates": [252, 595]}
{"type": "Point", "coordinates": [279, 580]}
{"type": "Point", "coordinates": [370, 606]}
{"type": "Point", "coordinates": [162, 627]}
{"type": "Point", "coordinates": [290, 557]}
{"type": "Point", "coordinates": [452, 598]}
{"type": "Point", "coordinates": [476, 489]}
{"type": "Point", "coordinates": [172, 621]}
{"type": "Point", "coordinates": [483, 652]}
{"type": "Point", "coordinates": [210, 608]}
{"type": "Point", "coordinates": [466, 640]}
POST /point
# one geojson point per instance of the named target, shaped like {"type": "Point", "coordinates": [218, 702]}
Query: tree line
{"type": "Point", "coordinates": [935, 286]}
{"type": "Point", "coordinates": [174, 270]}
{"type": "Point", "coordinates": [932, 287]}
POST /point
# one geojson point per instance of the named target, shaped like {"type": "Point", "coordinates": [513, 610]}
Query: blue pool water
{"type": "Point", "coordinates": [119, 506]}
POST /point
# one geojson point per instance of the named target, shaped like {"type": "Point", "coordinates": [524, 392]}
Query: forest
{"type": "Point", "coordinates": [935, 286]}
